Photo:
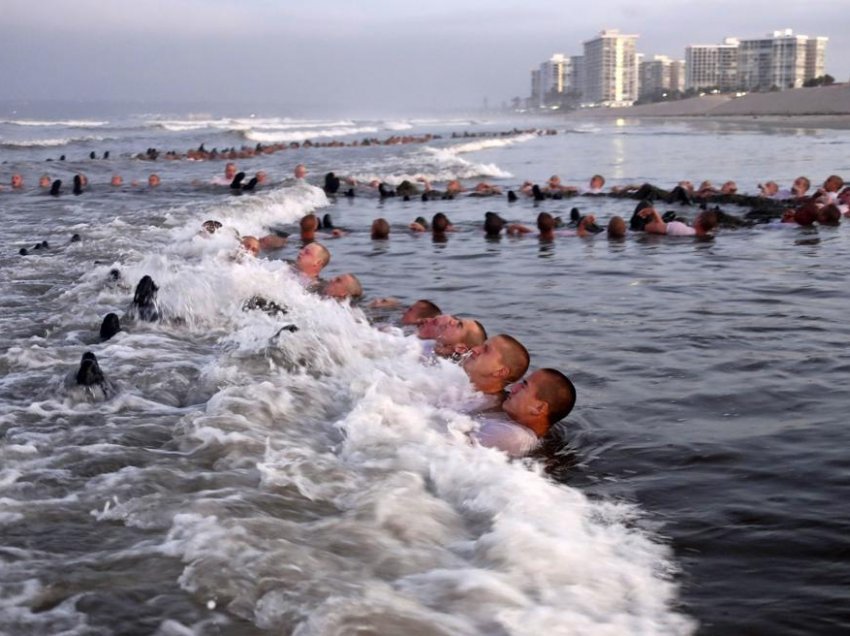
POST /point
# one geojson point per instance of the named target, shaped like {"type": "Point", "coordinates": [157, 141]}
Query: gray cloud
{"type": "Point", "coordinates": [378, 57]}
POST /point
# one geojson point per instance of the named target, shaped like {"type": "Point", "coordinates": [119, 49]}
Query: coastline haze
{"type": "Point", "coordinates": [330, 58]}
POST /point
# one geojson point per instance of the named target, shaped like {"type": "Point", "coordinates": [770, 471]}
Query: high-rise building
{"type": "Point", "coordinates": [815, 57]}
{"type": "Point", "coordinates": [778, 60]}
{"type": "Point", "coordinates": [677, 75]}
{"type": "Point", "coordinates": [555, 80]}
{"type": "Point", "coordinates": [660, 75]}
{"type": "Point", "coordinates": [610, 69]}
{"type": "Point", "coordinates": [536, 92]}
{"type": "Point", "coordinates": [554, 77]}
{"type": "Point", "coordinates": [576, 74]}
{"type": "Point", "coordinates": [709, 66]}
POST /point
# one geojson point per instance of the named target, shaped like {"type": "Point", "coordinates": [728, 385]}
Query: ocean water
{"type": "Point", "coordinates": [247, 479]}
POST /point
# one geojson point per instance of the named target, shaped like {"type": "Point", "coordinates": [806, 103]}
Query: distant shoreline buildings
{"type": "Point", "coordinates": [611, 73]}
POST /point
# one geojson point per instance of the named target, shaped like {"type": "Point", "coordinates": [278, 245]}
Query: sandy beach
{"type": "Point", "coordinates": [827, 106]}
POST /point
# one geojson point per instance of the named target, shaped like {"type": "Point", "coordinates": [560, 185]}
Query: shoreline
{"type": "Point", "coordinates": [822, 107]}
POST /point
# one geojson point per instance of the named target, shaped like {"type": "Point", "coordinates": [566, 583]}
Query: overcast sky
{"type": "Point", "coordinates": [374, 57]}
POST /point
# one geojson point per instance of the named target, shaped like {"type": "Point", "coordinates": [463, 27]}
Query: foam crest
{"type": "Point", "coordinates": [68, 123]}
{"type": "Point", "coordinates": [432, 527]}
{"type": "Point", "coordinates": [251, 214]}
{"type": "Point", "coordinates": [488, 144]}
{"type": "Point", "coordinates": [50, 142]}
{"type": "Point", "coordinates": [241, 124]}
{"type": "Point", "coordinates": [397, 125]}
{"type": "Point", "coordinates": [301, 135]}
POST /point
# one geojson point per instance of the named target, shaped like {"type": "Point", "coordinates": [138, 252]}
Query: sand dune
{"type": "Point", "coordinates": [827, 100]}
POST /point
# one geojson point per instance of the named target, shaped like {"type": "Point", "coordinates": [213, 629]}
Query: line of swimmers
{"type": "Point", "coordinates": [802, 207]}
{"type": "Point", "coordinates": [246, 152]}
{"type": "Point", "coordinates": [645, 218]}
{"type": "Point", "coordinates": [494, 365]}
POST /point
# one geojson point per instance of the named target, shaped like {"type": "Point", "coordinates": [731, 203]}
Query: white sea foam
{"type": "Point", "coordinates": [409, 528]}
{"type": "Point", "coordinates": [397, 125]}
{"type": "Point", "coordinates": [241, 124]}
{"type": "Point", "coordinates": [50, 142]}
{"type": "Point", "coordinates": [303, 134]}
{"type": "Point", "coordinates": [435, 166]}
{"type": "Point", "coordinates": [321, 478]}
{"type": "Point", "coordinates": [487, 144]}
{"type": "Point", "coordinates": [438, 534]}
{"type": "Point", "coordinates": [66, 123]}
{"type": "Point", "coordinates": [443, 164]}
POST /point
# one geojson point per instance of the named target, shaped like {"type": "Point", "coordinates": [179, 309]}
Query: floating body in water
{"type": "Point", "coordinates": [144, 300]}
{"type": "Point", "coordinates": [88, 381]}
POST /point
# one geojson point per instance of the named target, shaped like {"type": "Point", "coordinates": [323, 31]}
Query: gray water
{"type": "Point", "coordinates": [244, 479]}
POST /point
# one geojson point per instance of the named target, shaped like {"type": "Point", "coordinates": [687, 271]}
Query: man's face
{"type": "Point", "coordinates": [596, 183]}
{"type": "Point", "coordinates": [522, 403]}
{"type": "Point", "coordinates": [831, 185]}
{"type": "Point", "coordinates": [153, 181]}
{"type": "Point", "coordinates": [430, 328]}
{"type": "Point", "coordinates": [17, 181]}
{"type": "Point", "coordinates": [300, 172]}
{"type": "Point", "coordinates": [800, 185]}
{"type": "Point", "coordinates": [484, 360]}
{"type": "Point", "coordinates": [251, 245]}
{"type": "Point", "coordinates": [338, 287]}
{"type": "Point", "coordinates": [309, 257]}
{"type": "Point", "coordinates": [412, 315]}
{"type": "Point", "coordinates": [230, 170]}
{"type": "Point", "coordinates": [452, 331]}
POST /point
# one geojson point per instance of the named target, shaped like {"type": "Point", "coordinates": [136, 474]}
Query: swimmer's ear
{"type": "Point", "coordinates": [539, 407]}
{"type": "Point", "coordinates": [502, 372]}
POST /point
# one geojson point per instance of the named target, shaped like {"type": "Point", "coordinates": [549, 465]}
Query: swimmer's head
{"type": "Point", "coordinates": [116, 180]}
{"type": "Point", "coordinates": [597, 182]}
{"type": "Point", "coordinates": [833, 183]}
{"type": "Point", "coordinates": [493, 224]}
{"type": "Point", "coordinates": [542, 399]}
{"type": "Point", "coordinates": [440, 223]}
{"type": "Point", "coordinates": [806, 215]}
{"type": "Point", "coordinates": [17, 181]}
{"type": "Point", "coordinates": [616, 228]}
{"type": "Point", "coordinates": [251, 244]}
{"type": "Point", "coordinates": [801, 185]}
{"type": "Point", "coordinates": [380, 229]}
{"type": "Point", "coordinates": [44, 181]}
{"type": "Point", "coordinates": [300, 171]}
{"type": "Point", "coordinates": [230, 170]}
{"type": "Point", "coordinates": [495, 363]}
{"type": "Point", "coordinates": [419, 311]}
{"type": "Point", "coordinates": [309, 224]}
{"type": "Point", "coordinates": [211, 226]}
{"type": "Point", "coordinates": [153, 180]}
{"type": "Point", "coordinates": [545, 223]}
{"type": "Point", "coordinates": [829, 215]}
{"type": "Point", "coordinates": [312, 259]}
{"type": "Point", "coordinates": [454, 187]}
{"type": "Point", "coordinates": [705, 222]}
{"type": "Point", "coordinates": [344, 286]}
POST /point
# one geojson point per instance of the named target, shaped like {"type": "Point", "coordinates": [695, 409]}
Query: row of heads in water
{"type": "Point", "coordinates": [492, 364]}
{"type": "Point", "coordinates": [495, 365]}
